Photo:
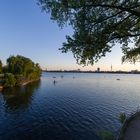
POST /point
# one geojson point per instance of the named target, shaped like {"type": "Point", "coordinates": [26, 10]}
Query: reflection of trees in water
{"type": "Point", "coordinates": [20, 97]}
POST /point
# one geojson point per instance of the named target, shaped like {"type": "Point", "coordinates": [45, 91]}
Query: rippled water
{"type": "Point", "coordinates": [76, 107]}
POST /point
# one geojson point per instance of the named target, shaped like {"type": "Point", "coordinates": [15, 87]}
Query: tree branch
{"type": "Point", "coordinates": [107, 18]}
{"type": "Point", "coordinates": [136, 13]}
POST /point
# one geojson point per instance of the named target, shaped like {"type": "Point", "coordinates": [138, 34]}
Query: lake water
{"type": "Point", "coordinates": [76, 107]}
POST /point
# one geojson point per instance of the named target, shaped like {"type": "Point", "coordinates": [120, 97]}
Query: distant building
{"type": "Point", "coordinates": [98, 69]}
{"type": "Point", "coordinates": [78, 70]}
{"type": "Point", "coordinates": [111, 67]}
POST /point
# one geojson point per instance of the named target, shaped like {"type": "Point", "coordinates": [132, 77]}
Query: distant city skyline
{"type": "Point", "coordinates": [28, 32]}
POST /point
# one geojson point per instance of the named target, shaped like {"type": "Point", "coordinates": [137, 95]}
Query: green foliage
{"type": "Point", "coordinates": [18, 70]}
{"type": "Point", "coordinates": [98, 25]}
{"type": "Point", "coordinates": [23, 68]}
{"type": "Point", "coordinates": [131, 54]}
{"type": "Point", "coordinates": [122, 117]}
{"type": "Point", "coordinates": [0, 66]}
{"type": "Point", "coordinates": [5, 69]}
{"type": "Point", "coordinates": [9, 80]}
{"type": "Point", "coordinates": [106, 135]}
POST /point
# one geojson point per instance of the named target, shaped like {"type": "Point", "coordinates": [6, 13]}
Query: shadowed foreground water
{"type": "Point", "coordinates": [76, 106]}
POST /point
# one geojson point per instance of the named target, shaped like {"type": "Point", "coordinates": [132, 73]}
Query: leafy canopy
{"type": "Point", "coordinates": [25, 67]}
{"type": "Point", "coordinates": [98, 25]}
{"type": "Point", "coordinates": [9, 80]}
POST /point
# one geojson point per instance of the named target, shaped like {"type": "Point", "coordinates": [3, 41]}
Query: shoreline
{"type": "Point", "coordinates": [28, 82]}
{"type": "Point", "coordinates": [127, 125]}
{"type": "Point", "coordinates": [97, 72]}
{"type": "Point", "coordinates": [22, 84]}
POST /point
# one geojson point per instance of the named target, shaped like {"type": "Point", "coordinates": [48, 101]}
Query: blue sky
{"type": "Point", "coordinates": [26, 31]}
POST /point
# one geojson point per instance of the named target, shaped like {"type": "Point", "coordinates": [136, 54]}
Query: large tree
{"type": "Point", "coordinates": [20, 65]}
{"type": "Point", "coordinates": [98, 25]}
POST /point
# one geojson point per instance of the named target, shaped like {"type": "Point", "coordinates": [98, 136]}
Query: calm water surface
{"type": "Point", "coordinates": [76, 107]}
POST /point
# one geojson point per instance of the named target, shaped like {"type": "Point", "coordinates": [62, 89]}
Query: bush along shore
{"type": "Point", "coordinates": [19, 70]}
{"type": "Point", "coordinates": [129, 129]}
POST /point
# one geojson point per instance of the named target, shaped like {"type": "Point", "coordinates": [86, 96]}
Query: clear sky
{"type": "Point", "coordinates": [26, 31]}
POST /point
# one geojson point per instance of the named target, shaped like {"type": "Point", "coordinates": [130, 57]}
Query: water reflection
{"type": "Point", "coordinates": [19, 98]}
{"type": "Point", "coordinates": [80, 106]}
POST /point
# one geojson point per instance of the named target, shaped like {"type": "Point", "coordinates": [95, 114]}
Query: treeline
{"type": "Point", "coordinates": [18, 70]}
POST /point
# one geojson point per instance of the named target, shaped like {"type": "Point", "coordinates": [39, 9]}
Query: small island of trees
{"type": "Point", "coordinates": [19, 70]}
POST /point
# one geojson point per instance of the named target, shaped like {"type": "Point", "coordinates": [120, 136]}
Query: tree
{"type": "Point", "coordinates": [0, 66]}
{"type": "Point", "coordinates": [9, 80]}
{"type": "Point", "coordinates": [98, 25]}
{"type": "Point", "coordinates": [23, 67]}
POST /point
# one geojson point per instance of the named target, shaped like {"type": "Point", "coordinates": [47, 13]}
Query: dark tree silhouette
{"type": "Point", "coordinates": [98, 25]}
{"type": "Point", "coordinates": [0, 66]}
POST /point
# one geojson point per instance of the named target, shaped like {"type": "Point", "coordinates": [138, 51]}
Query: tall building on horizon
{"type": "Point", "coordinates": [111, 67]}
{"type": "Point", "coordinates": [98, 69]}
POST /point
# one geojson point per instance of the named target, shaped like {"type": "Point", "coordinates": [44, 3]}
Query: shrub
{"type": "Point", "coordinates": [122, 117]}
{"type": "Point", "coordinates": [9, 80]}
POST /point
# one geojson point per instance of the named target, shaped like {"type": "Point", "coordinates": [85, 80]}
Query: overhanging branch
{"type": "Point", "coordinates": [134, 12]}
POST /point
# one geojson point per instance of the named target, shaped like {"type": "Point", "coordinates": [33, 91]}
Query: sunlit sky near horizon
{"type": "Point", "coordinates": [26, 31]}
